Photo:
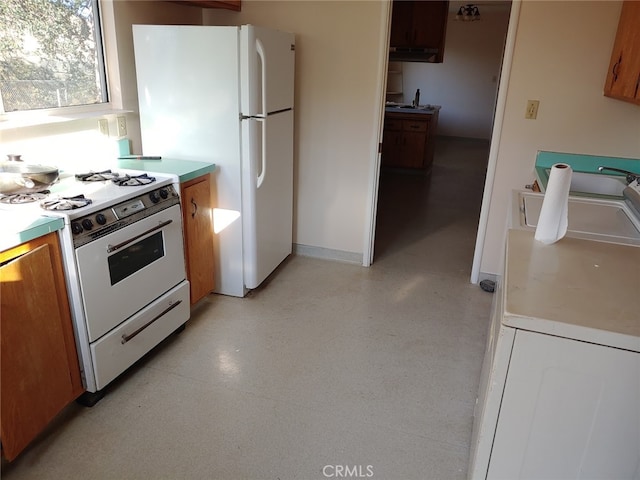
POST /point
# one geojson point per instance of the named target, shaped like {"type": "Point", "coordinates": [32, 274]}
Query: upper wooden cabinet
{"type": "Point", "coordinates": [623, 77]}
{"type": "Point", "coordinates": [226, 4]}
{"type": "Point", "coordinates": [418, 31]}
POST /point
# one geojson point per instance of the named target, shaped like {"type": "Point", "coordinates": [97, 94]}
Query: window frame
{"type": "Point", "coordinates": [107, 62]}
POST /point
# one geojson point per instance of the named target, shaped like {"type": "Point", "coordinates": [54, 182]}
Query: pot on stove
{"type": "Point", "coordinates": [20, 177]}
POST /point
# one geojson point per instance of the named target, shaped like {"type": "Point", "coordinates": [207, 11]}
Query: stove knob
{"type": "Point", "coordinates": [155, 198]}
{"type": "Point", "coordinates": [163, 193]}
{"type": "Point", "coordinates": [87, 224]}
{"type": "Point", "coordinates": [76, 228]}
{"type": "Point", "coordinates": [101, 219]}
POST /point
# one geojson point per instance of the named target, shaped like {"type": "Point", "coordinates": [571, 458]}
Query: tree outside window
{"type": "Point", "coordinates": [50, 54]}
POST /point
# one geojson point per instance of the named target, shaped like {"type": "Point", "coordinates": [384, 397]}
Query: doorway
{"type": "Point", "coordinates": [442, 210]}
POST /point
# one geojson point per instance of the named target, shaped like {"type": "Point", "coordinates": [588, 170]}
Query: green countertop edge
{"type": "Point", "coordinates": [185, 169]}
{"type": "Point", "coordinates": [581, 163]}
{"type": "Point", "coordinates": [41, 226]}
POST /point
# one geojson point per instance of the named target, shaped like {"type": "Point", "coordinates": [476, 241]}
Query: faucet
{"type": "Point", "coordinates": [630, 175]}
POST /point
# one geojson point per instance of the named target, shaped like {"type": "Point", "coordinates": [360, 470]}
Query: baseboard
{"type": "Point", "coordinates": [327, 254]}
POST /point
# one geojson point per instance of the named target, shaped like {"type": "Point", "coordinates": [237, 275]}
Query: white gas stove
{"type": "Point", "coordinates": [124, 264]}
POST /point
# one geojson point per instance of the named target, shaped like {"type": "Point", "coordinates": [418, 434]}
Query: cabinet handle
{"type": "Point", "coordinates": [195, 208]}
{"type": "Point", "coordinates": [113, 248]}
{"type": "Point", "coordinates": [614, 71]}
{"type": "Point", "coordinates": [637, 87]}
{"type": "Point", "coordinates": [414, 126]}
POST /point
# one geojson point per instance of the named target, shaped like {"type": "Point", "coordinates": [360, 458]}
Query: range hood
{"type": "Point", "coordinates": [410, 54]}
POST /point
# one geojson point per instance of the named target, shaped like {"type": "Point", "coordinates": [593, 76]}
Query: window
{"type": "Point", "coordinates": [50, 54]}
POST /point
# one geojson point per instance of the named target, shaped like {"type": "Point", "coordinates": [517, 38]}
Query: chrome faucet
{"type": "Point", "coordinates": [630, 175]}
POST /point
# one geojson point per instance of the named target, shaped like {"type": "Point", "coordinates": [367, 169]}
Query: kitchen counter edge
{"type": "Point", "coordinates": [185, 169]}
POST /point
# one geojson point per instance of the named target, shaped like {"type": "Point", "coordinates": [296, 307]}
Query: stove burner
{"type": "Point", "coordinates": [97, 176]}
{"type": "Point", "coordinates": [66, 203]}
{"type": "Point", "coordinates": [133, 181]}
{"type": "Point", "coordinates": [24, 197]}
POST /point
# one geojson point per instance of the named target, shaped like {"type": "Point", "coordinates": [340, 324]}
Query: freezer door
{"type": "Point", "coordinates": [267, 194]}
{"type": "Point", "coordinates": [267, 70]}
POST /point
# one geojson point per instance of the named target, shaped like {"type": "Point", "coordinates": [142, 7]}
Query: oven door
{"type": "Point", "coordinates": [126, 270]}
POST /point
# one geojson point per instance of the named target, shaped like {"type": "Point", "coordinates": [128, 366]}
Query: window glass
{"type": "Point", "coordinates": [50, 54]}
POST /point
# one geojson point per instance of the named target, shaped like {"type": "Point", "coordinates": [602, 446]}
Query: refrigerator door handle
{"type": "Point", "coordinates": [263, 153]}
{"type": "Point", "coordinates": [263, 77]}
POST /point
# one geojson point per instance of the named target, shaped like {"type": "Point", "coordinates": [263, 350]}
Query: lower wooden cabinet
{"type": "Point", "coordinates": [39, 364]}
{"type": "Point", "coordinates": [197, 211]}
{"type": "Point", "coordinates": [408, 140]}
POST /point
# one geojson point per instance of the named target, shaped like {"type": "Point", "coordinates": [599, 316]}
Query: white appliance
{"type": "Point", "coordinates": [124, 265]}
{"type": "Point", "coordinates": [225, 95]}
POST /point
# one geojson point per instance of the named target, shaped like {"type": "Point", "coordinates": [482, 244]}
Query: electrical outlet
{"type": "Point", "coordinates": [532, 109]}
{"type": "Point", "coordinates": [122, 126]}
{"type": "Point", "coordinates": [103, 126]}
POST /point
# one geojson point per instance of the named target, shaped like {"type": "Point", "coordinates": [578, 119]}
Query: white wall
{"type": "Point", "coordinates": [336, 111]}
{"type": "Point", "coordinates": [465, 84]}
{"type": "Point", "coordinates": [561, 57]}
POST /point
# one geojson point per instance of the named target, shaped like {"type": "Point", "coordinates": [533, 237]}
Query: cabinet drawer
{"type": "Point", "coordinates": [392, 124]}
{"type": "Point", "coordinates": [414, 126]}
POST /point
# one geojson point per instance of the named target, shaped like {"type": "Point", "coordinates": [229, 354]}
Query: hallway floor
{"type": "Point", "coordinates": [327, 366]}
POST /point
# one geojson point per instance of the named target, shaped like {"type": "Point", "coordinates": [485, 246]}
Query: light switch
{"type": "Point", "coordinates": [532, 109]}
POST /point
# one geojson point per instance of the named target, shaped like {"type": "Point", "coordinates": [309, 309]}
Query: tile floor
{"type": "Point", "coordinates": [327, 366]}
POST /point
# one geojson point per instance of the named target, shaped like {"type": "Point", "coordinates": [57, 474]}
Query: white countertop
{"type": "Point", "coordinates": [575, 288]}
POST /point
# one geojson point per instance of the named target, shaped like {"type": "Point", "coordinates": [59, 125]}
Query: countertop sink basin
{"type": "Point", "coordinates": [596, 184]}
{"type": "Point", "coordinates": [407, 108]}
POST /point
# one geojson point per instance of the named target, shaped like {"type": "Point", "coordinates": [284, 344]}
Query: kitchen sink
{"type": "Point", "coordinates": [596, 184]}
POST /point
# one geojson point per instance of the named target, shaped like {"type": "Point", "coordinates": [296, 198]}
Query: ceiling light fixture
{"type": "Point", "coordinates": [468, 13]}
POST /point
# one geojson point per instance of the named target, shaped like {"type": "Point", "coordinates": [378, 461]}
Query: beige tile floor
{"type": "Point", "coordinates": [328, 365]}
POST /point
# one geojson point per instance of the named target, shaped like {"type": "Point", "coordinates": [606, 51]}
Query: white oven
{"type": "Point", "coordinates": [123, 271]}
{"type": "Point", "coordinates": [122, 247]}
{"type": "Point", "coordinates": [124, 261]}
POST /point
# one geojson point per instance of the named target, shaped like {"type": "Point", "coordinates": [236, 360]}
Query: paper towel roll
{"type": "Point", "coordinates": [553, 221]}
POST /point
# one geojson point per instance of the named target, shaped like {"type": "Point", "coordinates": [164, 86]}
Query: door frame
{"type": "Point", "coordinates": [496, 135]}
{"type": "Point", "coordinates": [374, 171]}
{"type": "Point", "coordinates": [501, 100]}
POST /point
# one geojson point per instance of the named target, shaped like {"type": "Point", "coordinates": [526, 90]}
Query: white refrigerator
{"type": "Point", "coordinates": [225, 95]}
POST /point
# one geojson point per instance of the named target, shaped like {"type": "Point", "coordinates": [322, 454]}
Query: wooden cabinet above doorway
{"type": "Point", "coordinates": [418, 31]}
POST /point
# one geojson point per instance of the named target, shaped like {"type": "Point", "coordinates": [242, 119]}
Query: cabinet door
{"type": "Point", "coordinates": [198, 230]}
{"type": "Point", "coordinates": [392, 148]}
{"type": "Point", "coordinates": [401, 24]}
{"type": "Point", "coordinates": [623, 77]}
{"type": "Point", "coordinates": [570, 410]}
{"type": "Point", "coordinates": [413, 149]}
{"type": "Point", "coordinates": [429, 24]}
{"type": "Point", "coordinates": [40, 372]}
{"type": "Point", "coordinates": [226, 4]}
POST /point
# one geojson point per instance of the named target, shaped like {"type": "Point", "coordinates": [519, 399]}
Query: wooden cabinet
{"type": "Point", "coordinates": [623, 77]}
{"type": "Point", "coordinates": [418, 30]}
{"type": "Point", "coordinates": [408, 140]}
{"type": "Point", "coordinates": [197, 211]}
{"type": "Point", "coordinates": [226, 4]}
{"type": "Point", "coordinates": [39, 364]}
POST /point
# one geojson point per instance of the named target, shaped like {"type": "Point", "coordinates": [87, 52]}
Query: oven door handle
{"type": "Point", "coordinates": [126, 338]}
{"type": "Point", "coordinates": [113, 248]}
